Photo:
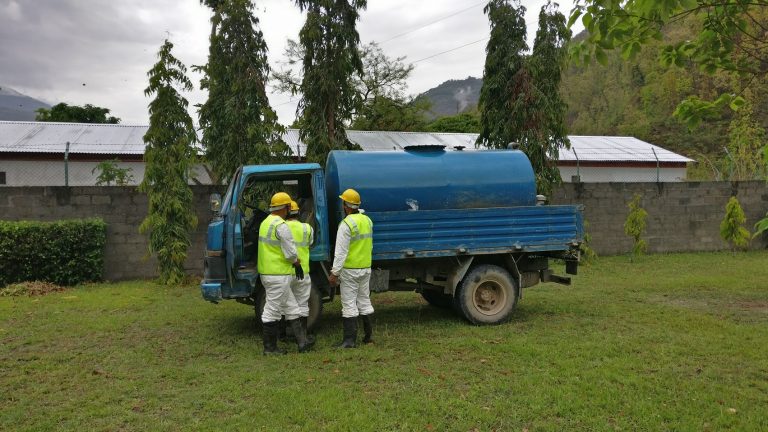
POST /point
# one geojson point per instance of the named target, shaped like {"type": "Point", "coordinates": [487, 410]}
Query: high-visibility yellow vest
{"type": "Point", "coordinates": [361, 241]}
{"type": "Point", "coordinates": [302, 236]}
{"type": "Point", "coordinates": [271, 260]}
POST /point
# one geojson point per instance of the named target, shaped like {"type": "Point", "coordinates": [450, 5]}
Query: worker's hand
{"type": "Point", "coordinates": [333, 280]}
{"type": "Point", "coordinates": [299, 271]}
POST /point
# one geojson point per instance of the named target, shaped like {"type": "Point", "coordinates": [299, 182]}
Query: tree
{"type": "Point", "coordinates": [504, 65]}
{"type": "Point", "coordinates": [466, 122]}
{"type": "Point", "coordinates": [519, 100]}
{"type": "Point", "coordinates": [732, 36]}
{"type": "Point", "coordinates": [382, 113]}
{"type": "Point", "coordinates": [239, 126]}
{"type": "Point", "coordinates": [746, 138]}
{"type": "Point", "coordinates": [634, 226]}
{"type": "Point", "coordinates": [75, 114]}
{"type": "Point", "coordinates": [732, 227]}
{"type": "Point", "coordinates": [382, 103]}
{"type": "Point", "coordinates": [330, 41]}
{"type": "Point", "coordinates": [169, 156]}
{"type": "Point", "coordinates": [110, 172]}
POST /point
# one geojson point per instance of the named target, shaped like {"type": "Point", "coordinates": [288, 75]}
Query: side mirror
{"type": "Point", "coordinates": [215, 202]}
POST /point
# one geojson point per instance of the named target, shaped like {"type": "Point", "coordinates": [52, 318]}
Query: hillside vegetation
{"type": "Point", "coordinates": [638, 98]}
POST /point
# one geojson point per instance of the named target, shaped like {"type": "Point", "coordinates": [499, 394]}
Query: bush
{"type": "Point", "coordinates": [64, 252]}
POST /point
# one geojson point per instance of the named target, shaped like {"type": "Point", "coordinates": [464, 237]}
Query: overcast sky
{"type": "Point", "coordinates": [98, 51]}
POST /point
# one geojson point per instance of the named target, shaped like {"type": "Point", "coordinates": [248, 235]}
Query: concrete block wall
{"type": "Point", "coordinates": [681, 216]}
{"type": "Point", "coordinates": [122, 207]}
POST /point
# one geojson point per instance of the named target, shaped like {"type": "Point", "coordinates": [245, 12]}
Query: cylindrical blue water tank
{"type": "Point", "coordinates": [431, 179]}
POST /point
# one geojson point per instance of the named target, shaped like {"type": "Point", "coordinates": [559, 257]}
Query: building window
{"type": "Point", "coordinates": [2, 177]}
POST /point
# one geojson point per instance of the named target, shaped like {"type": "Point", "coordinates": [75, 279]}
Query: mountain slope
{"type": "Point", "coordinates": [453, 96]}
{"type": "Point", "coordinates": [16, 106]}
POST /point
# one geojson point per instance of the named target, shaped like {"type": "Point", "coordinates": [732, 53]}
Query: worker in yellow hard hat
{"type": "Point", "coordinates": [278, 263]}
{"type": "Point", "coordinates": [352, 266]}
{"type": "Point", "coordinates": [303, 236]}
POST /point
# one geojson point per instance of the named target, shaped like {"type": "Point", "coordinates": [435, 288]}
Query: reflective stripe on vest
{"type": "Point", "coordinates": [271, 260]}
{"type": "Point", "coordinates": [302, 235]}
{"type": "Point", "coordinates": [361, 241]}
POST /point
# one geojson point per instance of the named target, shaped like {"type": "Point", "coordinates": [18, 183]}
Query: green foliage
{"type": "Point", "coordinates": [239, 126]}
{"type": "Point", "coordinates": [745, 146]}
{"type": "Point", "coordinates": [382, 113]}
{"type": "Point", "coordinates": [169, 156]}
{"type": "Point", "coordinates": [381, 102]}
{"type": "Point", "coordinates": [329, 97]}
{"type": "Point", "coordinates": [65, 252]}
{"type": "Point", "coordinates": [75, 114]}
{"type": "Point", "coordinates": [634, 226]}
{"type": "Point", "coordinates": [520, 100]}
{"type": "Point", "coordinates": [729, 37]}
{"type": "Point", "coordinates": [110, 173]}
{"type": "Point", "coordinates": [761, 226]}
{"type": "Point", "coordinates": [466, 122]}
{"type": "Point", "coordinates": [732, 227]}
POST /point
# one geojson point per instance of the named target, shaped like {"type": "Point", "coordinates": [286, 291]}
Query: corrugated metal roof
{"type": "Point", "coordinates": [45, 137]}
{"type": "Point", "coordinates": [42, 137]}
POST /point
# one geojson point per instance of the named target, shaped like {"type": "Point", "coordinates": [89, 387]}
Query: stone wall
{"type": "Point", "coordinates": [681, 216]}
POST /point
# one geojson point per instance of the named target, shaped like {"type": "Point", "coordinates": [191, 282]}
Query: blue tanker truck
{"type": "Point", "coordinates": [465, 229]}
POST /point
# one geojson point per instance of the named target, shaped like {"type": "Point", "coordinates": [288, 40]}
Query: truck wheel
{"type": "Point", "coordinates": [314, 303]}
{"type": "Point", "coordinates": [487, 295]}
{"type": "Point", "coordinates": [437, 299]}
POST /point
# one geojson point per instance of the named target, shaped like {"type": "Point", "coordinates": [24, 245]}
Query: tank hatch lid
{"type": "Point", "coordinates": [424, 148]}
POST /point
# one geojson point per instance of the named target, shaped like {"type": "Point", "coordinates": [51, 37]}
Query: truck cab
{"type": "Point", "coordinates": [231, 243]}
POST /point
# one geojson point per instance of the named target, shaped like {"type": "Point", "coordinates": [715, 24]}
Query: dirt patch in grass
{"type": "Point", "coordinates": [30, 289]}
{"type": "Point", "coordinates": [741, 310]}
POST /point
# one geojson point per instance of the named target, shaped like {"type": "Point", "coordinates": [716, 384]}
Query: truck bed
{"type": "Point", "coordinates": [437, 233]}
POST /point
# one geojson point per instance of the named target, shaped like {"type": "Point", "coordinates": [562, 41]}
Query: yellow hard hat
{"type": "Point", "coordinates": [350, 196]}
{"type": "Point", "coordinates": [279, 199]}
{"type": "Point", "coordinates": [294, 206]}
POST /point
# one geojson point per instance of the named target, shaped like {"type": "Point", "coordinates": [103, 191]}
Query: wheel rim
{"type": "Point", "coordinates": [489, 297]}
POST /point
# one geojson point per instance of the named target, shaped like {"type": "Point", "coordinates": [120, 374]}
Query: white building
{"type": "Point", "coordinates": [34, 153]}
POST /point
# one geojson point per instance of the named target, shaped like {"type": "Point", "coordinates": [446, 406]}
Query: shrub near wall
{"type": "Point", "coordinates": [65, 252]}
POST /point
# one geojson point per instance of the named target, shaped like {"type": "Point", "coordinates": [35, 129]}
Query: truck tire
{"type": "Point", "coordinates": [437, 299]}
{"type": "Point", "coordinates": [487, 295]}
{"type": "Point", "coordinates": [314, 303]}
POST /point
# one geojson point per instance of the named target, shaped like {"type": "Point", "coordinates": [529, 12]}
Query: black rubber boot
{"type": "Point", "coordinates": [270, 330]}
{"type": "Point", "coordinates": [367, 328]}
{"type": "Point", "coordinates": [310, 337]}
{"type": "Point", "coordinates": [281, 333]}
{"type": "Point", "coordinates": [301, 335]}
{"type": "Point", "coordinates": [350, 333]}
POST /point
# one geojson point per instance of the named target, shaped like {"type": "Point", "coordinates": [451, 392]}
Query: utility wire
{"type": "Point", "coordinates": [452, 49]}
{"type": "Point", "coordinates": [433, 22]}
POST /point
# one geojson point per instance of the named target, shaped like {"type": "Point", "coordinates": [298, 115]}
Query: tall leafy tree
{"type": "Point", "coordinates": [545, 133]}
{"type": "Point", "coordinates": [520, 100]}
{"type": "Point", "coordinates": [330, 41]}
{"type": "Point", "coordinates": [503, 73]}
{"type": "Point", "coordinates": [169, 156]}
{"type": "Point", "coordinates": [87, 113]}
{"type": "Point", "coordinates": [239, 126]}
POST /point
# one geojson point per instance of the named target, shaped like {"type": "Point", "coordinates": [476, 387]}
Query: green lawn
{"type": "Point", "coordinates": [670, 342]}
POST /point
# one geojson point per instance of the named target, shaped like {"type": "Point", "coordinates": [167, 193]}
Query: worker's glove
{"type": "Point", "coordinates": [299, 271]}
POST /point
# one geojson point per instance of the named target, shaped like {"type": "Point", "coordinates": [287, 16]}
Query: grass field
{"type": "Point", "coordinates": [669, 342]}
